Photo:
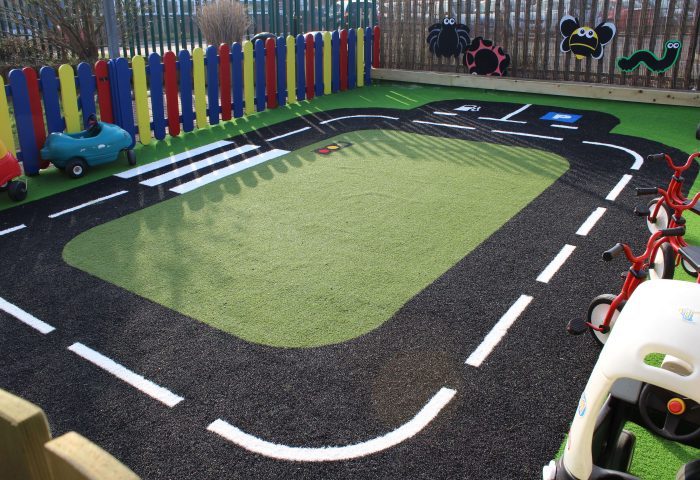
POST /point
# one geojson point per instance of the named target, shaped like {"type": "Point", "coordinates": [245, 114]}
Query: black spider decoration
{"type": "Point", "coordinates": [448, 38]}
{"type": "Point", "coordinates": [585, 41]}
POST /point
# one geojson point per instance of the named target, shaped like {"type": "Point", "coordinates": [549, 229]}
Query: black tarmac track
{"type": "Point", "coordinates": [508, 417]}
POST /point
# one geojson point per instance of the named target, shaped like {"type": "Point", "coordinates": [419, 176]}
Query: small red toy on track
{"type": "Point", "coordinates": [9, 170]}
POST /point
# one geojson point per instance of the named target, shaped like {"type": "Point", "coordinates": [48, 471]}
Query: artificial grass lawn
{"type": "Point", "coordinates": [309, 250]}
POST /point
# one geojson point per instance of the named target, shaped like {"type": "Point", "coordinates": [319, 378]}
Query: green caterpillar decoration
{"type": "Point", "coordinates": [672, 52]}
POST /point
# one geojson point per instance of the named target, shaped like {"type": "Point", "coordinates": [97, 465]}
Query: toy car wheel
{"type": "Point", "coordinates": [17, 191]}
{"type": "Point", "coordinates": [596, 314]}
{"type": "Point", "coordinates": [664, 263]}
{"type": "Point", "coordinates": [662, 218]}
{"type": "Point", "coordinates": [131, 157]}
{"type": "Point", "coordinates": [76, 167]}
{"type": "Point", "coordinates": [4, 186]}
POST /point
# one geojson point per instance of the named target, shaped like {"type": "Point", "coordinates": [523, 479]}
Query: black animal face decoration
{"type": "Point", "coordinates": [448, 38]}
{"type": "Point", "coordinates": [585, 42]}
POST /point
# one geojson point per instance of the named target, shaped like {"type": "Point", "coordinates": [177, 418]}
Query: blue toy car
{"type": "Point", "coordinates": [100, 143]}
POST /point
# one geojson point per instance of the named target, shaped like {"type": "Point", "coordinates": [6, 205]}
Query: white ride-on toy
{"type": "Point", "coordinates": [661, 317]}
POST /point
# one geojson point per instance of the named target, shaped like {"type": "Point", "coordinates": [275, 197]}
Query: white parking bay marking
{"type": "Point", "coordinates": [151, 389]}
{"type": "Point", "coordinates": [507, 118]}
{"type": "Point", "coordinates": [498, 331]}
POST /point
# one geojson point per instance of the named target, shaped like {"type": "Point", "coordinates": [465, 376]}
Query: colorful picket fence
{"type": "Point", "coordinates": [225, 82]}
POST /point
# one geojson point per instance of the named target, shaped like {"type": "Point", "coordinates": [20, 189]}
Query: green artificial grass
{"type": "Point", "coordinates": [670, 125]}
{"type": "Point", "coordinates": [309, 250]}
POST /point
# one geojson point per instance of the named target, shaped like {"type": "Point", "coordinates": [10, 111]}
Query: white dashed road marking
{"type": "Point", "coordinates": [619, 187]}
{"type": "Point", "coordinates": [448, 125]}
{"type": "Point", "coordinates": [87, 204]}
{"type": "Point", "coordinates": [288, 134]}
{"type": "Point", "coordinates": [590, 222]}
{"type": "Point", "coordinates": [12, 229]}
{"type": "Point", "coordinates": [498, 331]}
{"type": "Point", "coordinates": [357, 116]}
{"type": "Point", "coordinates": [25, 317]}
{"type": "Point", "coordinates": [556, 264]}
{"type": "Point", "coordinates": [161, 394]}
{"type": "Point", "coordinates": [522, 134]}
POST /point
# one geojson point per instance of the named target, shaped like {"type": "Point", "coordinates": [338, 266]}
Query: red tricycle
{"type": "Point", "coordinates": [10, 170]}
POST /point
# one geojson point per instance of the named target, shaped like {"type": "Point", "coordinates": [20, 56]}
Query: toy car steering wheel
{"type": "Point", "coordinates": [681, 416]}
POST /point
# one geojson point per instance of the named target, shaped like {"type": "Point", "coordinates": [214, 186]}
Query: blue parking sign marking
{"type": "Point", "coordinates": [561, 117]}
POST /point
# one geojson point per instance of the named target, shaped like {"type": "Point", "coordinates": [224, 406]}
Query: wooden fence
{"type": "Point", "coordinates": [529, 31]}
{"type": "Point", "coordinates": [152, 97]}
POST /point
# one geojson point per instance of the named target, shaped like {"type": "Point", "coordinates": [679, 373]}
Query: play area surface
{"type": "Point", "coordinates": [311, 292]}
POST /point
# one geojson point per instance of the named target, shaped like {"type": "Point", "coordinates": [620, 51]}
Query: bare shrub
{"type": "Point", "coordinates": [223, 21]}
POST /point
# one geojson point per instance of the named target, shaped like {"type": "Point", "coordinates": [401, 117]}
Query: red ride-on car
{"type": "Point", "coordinates": [10, 170]}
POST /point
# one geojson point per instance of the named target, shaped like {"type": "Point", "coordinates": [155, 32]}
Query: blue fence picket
{"type": "Point", "coordinates": [335, 61]}
{"type": "Point", "coordinates": [121, 86]}
{"type": "Point", "coordinates": [352, 60]}
{"type": "Point", "coordinates": [368, 55]}
{"type": "Point", "coordinates": [49, 93]}
{"type": "Point", "coordinates": [237, 78]}
{"type": "Point", "coordinates": [185, 63]}
{"type": "Point", "coordinates": [155, 69]}
{"type": "Point", "coordinates": [213, 84]}
{"type": "Point", "coordinates": [259, 59]}
{"type": "Point", "coordinates": [86, 86]}
{"type": "Point", "coordinates": [318, 50]}
{"type": "Point", "coordinates": [300, 67]}
{"type": "Point", "coordinates": [29, 153]}
{"type": "Point", "coordinates": [281, 71]}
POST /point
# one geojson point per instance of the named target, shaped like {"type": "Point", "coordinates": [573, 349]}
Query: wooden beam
{"type": "Point", "coordinates": [567, 89]}
{"type": "Point", "coordinates": [73, 457]}
{"type": "Point", "coordinates": [23, 432]}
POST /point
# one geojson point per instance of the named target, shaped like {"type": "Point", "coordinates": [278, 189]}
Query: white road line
{"type": "Point", "coordinates": [449, 125]}
{"type": "Point", "coordinates": [87, 204]}
{"type": "Point", "coordinates": [568, 127]}
{"type": "Point", "coordinates": [556, 264]}
{"type": "Point", "coordinates": [510, 115]}
{"type": "Point", "coordinates": [287, 134]}
{"type": "Point", "coordinates": [329, 454]}
{"type": "Point", "coordinates": [590, 222]}
{"type": "Point", "coordinates": [357, 116]}
{"type": "Point", "coordinates": [12, 229]}
{"type": "Point", "coordinates": [25, 317]}
{"type": "Point", "coordinates": [192, 167]}
{"type": "Point", "coordinates": [161, 394]}
{"type": "Point", "coordinates": [638, 159]}
{"type": "Point", "coordinates": [618, 188]}
{"type": "Point", "coordinates": [135, 172]}
{"type": "Point", "coordinates": [447, 114]}
{"type": "Point", "coordinates": [228, 170]}
{"type": "Point", "coordinates": [522, 134]}
{"type": "Point", "coordinates": [498, 331]}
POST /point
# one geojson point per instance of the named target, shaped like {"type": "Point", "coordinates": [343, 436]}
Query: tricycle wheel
{"type": "Point", "coordinates": [17, 191]}
{"type": "Point", "coordinates": [664, 263]}
{"type": "Point", "coordinates": [662, 218]}
{"type": "Point", "coordinates": [76, 167]}
{"type": "Point", "coordinates": [131, 157]}
{"type": "Point", "coordinates": [596, 314]}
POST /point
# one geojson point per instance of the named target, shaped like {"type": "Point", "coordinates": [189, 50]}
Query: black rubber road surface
{"type": "Point", "coordinates": [508, 417]}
